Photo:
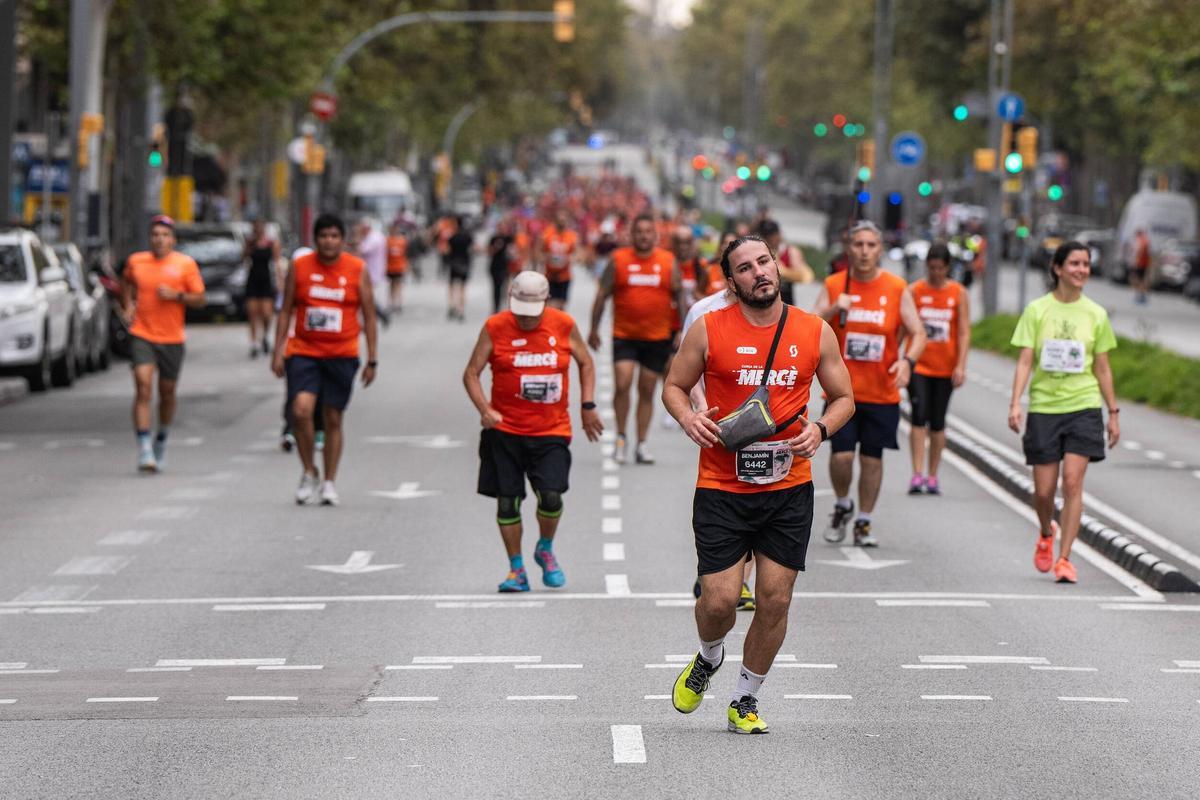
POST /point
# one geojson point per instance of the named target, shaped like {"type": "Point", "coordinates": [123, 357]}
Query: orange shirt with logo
{"type": "Point", "coordinates": [531, 373]}
{"type": "Point", "coordinates": [940, 310]}
{"type": "Point", "coordinates": [643, 300]}
{"type": "Point", "coordinates": [397, 255]}
{"type": "Point", "coordinates": [716, 279]}
{"type": "Point", "coordinates": [327, 304]}
{"type": "Point", "coordinates": [155, 319]}
{"type": "Point", "coordinates": [733, 370]}
{"type": "Point", "coordinates": [870, 341]}
{"type": "Point", "coordinates": [559, 247]}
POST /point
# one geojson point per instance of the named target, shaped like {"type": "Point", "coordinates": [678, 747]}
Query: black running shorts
{"type": "Point", "coordinates": [872, 430]}
{"type": "Point", "coordinates": [653, 355]}
{"type": "Point", "coordinates": [330, 379]}
{"type": "Point", "coordinates": [559, 290]}
{"type": "Point", "coordinates": [728, 525]}
{"type": "Point", "coordinates": [1049, 436]}
{"type": "Point", "coordinates": [507, 459]}
{"type": "Point", "coordinates": [168, 358]}
{"type": "Point", "coordinates": [929, 397]}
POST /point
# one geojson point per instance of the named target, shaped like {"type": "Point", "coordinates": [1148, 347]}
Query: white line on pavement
{"type": "Point", "coordinates": [122, 700]}
{"type": "Point", "coordinates": [305, 667]}
{"type": "Point", "coordinates": [1191, 664]}
{"type": "Point", "coordinates": [65, 610]}
{"type": "Point", "coordinates": [1093, 699]}
{"type": "Point", "coordinates": [401, 699]}
{"type": "Point", "coordinates": [53, 594]}
{"type": "Point", "coordinates": [1140, 607]}
{"type": "Point", "coordinates": [271, 607]}
{"type": "Point", "coordinates": [159, 669]}
{"type": "Point", "coordinates": [28, 671]}
{"type": "Point", "coordinates": [955, 697]}
{"type": "Point", "coordinates": [817, 697]}
{"type": "Point", "coordinates": [628, 745]}
{"type": "Point", "coordinates": [614, 551]}
{"type": "Point", "coordinates": [934, 603]}
{"type": "Point", "coordinates": [7, 701]}
{"type": "Point", "coordinates": [1129, 445]}
{"type": "Point", "coordinates": [610, 482]}
{"type": "Point", "coordinates": [684, 659]}
{"type": "Point", "coordinates": [984, 660]}
{"type": "Point", "coordinates": [1155, 455]}
{"type": "Point", "coordinates": [62, 444]}
{"type": "Point", "coordinates": [674, 603]}
{"type": "Point", "coordinates": [419, 666]}
{"type": "Point", "coordinates": [610, 502]}
{"type": "Point", "coordinates": [535, 697]}
{"type": "Point", "coordinates": [132, 538]}
{"type": "Point", "coordinates": [219, 662]}
{"type": "Point", "coordinates": [611, 525]}
{"type": "Point", "coordinates": [608, 465]}
{"type": "Point", "coordinates": [259, 697]}
{"type": "Point", "coordinates": [547, 666]}
{"type": "Point", "coordinates": [24, 664]}
{"type": "Point", "coordinates": [617, 585]}
{"type": "Point", "coordinates": [494, 604]}
{"type": "Point", "coordinates": [1183, 671]}
{"type": "Point", "coordinates": [477, 659]}
{"type": "Point", "coordinates": [933, 666]}
{"type": "Point", "coordinates": [1048, 668]}
{"type": "Point", "coordinates": [168, 512]}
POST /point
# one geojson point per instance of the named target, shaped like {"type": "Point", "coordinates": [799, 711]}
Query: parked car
{"type": "Point", "coordinates": [91, 310]}
{"type": "Point", "coordinates": [1177, 261]}
{"type": "Point", "coordinates": [1101, 244]}
{"type": "Point", "coordinates": [36, 313]}
{"type": "Point", "coordinates": [219, 251]}
{"type": "Point", "coordinates": [1052, 230]}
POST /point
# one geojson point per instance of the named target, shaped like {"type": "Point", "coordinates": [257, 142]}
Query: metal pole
{"type": "Point", "coordinates": [1026, 207]}
{"type": "Point", "coordinates": [52, 124]}
{"type": "Point", "coordinates": [456, 124]}
{"type": "Point", "coordinates": [991, 275]}
{"type": "Point", "coordinates": [8, 55]}
{"type": "Point", "coordinates": [881, 103]}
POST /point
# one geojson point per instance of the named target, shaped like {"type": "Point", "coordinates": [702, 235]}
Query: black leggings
{"type": "Point", "coordinates": [498, 279]}
{"type": "Point", "coordinates": [930, 397]}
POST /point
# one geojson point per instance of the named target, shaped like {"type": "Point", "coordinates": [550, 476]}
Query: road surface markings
{"type": "Point", "coordinates": [547, 666]}
{"type": "Point", "coordinates": [1177, 465]}
{"type": "Point", "coordinates": [55, 593]}
{"type": "Point", "coordinates": [617, 585]}
{"type": "Point", "coordinates": [7, 701]}
{"type": "Point", "coordinates": [674, 603]}
{"type": "Point", "coordinates": [397, 699]}
{"type": "Point", "coordinates": [254, 698]}
{"type": "Point", "coordinates": [189, 441]}
{"type": "Point", "coordinates": [802, 665]}
{"type": "Point", "coordinates": [1182, 671]}
{"type": "Point", "coordinates": [28, 671]}
{"type": "Point", "coordinates": [1190, 664]}
{"type": "Point", "coordinates": [493, 604]}
{"type": "Point", "coordinates": [1048, 668]}
{"type": "Point", "coordinates": [1155, 455]}
{"type": "Point", "coordinates": [1140, 607]}
{"type": "Point", "coordinates": [614, 551]}
{"type": "Point", "coordinates": [933, 666]}
{"type": "Point", "coordinates": [611, 525]}
{"type": "Point", "coordinates": [477, 659]}
{"type": "Point", "coordinates": [419, 666]}
{"type": "Point", "coordinates": [1196, 473]}
{"type": "Point", "coordinates": [685, 659]}
{"type": "Point", "coordinates": [13, 664]}
{"type": "Point", "coordinates": [537, 697]}
{"type": "Point", "coordinates": [628, 745]}
{"type": "Point", "coordinates": [65, 610]}
{"type": "Point", "coordinates": [608, 465]}
{"type": "Point", "coordinates": [122, 700]}
{"type": "Point", "coordinates": [1093, 699]}
{"type": "Point", "coordinates": [64, 444]}
{"type": "Point", "coordinates": [193, 493]}
{"type": "Point", "coordinates": [857, 558]}
{"type": "Point", "coordinates": [610, 482]}
{"type": "Point", "coordinates": [94, 565]}
{"type": "Point", "coordinates": [132, 538]}
{"type": "Point", "coordinates": [1128, 445]}
{"type": "Point", "coordinates": [983, 660]}
{"type": "Point", "coordinates": [359, 562]}
{"type": "Point", "coordinates": [159, 669]}
{"type": "Point", "coordinates": [244, 458]}
{"type": "Point", "coordinates": [271, 607]}
{"type": "Point", "coordinates": [956, 697]}
{"type": "Point", "coordinates": [817, 697]}
{"type": "Point", "coordinates": [934, 603]}
{"type": "Point", "coordinates": [280, 667]}
{"type": "Point", "coordinates": [610, 502]}
{"type": "Point", "coordinates": [407, 490]}
{"type": "Point", "coordinates": [608, 415]}
{"type": "Point", "coordinates": [168, 512]}
{"type": "Point", "coordinates": [219, 662]}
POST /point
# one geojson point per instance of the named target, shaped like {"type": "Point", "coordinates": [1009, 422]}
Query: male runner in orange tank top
{"type": "Point", "coordinates": [760, 498]}
{"type": "Point", "coordinates": [871, 311]}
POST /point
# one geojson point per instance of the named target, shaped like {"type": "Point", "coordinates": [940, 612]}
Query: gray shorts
{"type": "Point", "coordinates": [168, 358]}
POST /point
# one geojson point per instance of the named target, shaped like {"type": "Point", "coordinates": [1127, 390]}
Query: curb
{"type": "Point", "coordinates": [12, 390]}
{"type": "Point", "coordinates": [1158, 573]}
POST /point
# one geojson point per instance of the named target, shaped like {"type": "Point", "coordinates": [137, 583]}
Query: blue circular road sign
{"type": "Point", "coordinates": [1011, 107]}
{"type": "Point", "coordinates": [908, 148]}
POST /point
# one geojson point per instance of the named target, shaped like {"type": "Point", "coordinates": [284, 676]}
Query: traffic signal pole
{"type": "Point", "coordinates": [999, 74]}
{"type": "Point", "coordinates": [8, 55]}
{"type": "Point", "coordinates": [885, 29]}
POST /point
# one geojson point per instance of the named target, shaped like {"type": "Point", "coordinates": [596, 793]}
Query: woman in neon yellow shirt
{"type": "Point", "coordinates": [1064, 339]}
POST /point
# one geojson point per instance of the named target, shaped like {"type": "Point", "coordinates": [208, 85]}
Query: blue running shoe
{"type": "Point", "coordinates": [517, 581]}
{"type": "Point", "coordinates": [552, 575]}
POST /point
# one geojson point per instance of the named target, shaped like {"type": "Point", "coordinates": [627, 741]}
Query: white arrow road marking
{"type": "Point", "coordinates": [407, 491]}
{"type": "Point", "coordinates": [358, 563]}
{"type": "Point", "coordinates": [437, 442]}
{"type": "Point", "coordinates": [857, 558]}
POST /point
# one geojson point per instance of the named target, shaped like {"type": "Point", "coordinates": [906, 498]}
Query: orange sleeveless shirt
{"type": "Point", "coordinates": [642, 295]}
{"type": "Point", "coordinates": [327, 304]}
{"type": "Point", "coordinates": [560, 247]}
{"type": "Point", "coordinates": [397, 255]}
{"type": "Point", "coordinates": [737, 352]}
{"type": "Point", "coordinates": [870, 341]}
{"type": "Point", "coordinates": [940, 310]}
{"type": "Point", "coordinates": [531, 373]}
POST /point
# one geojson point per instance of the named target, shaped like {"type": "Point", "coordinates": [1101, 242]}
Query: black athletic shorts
{"type": "Point", "coordinates": [559, 289]}
{"type": "Point", "coordinates": [651, 355]}
{"type": "Point", "coordinates": [872, 429]}
{"type": "Point", "coordinates": [459, 270]}
{"type": "Point", "coordinates": [330, 379]}
{"type": "Point", "coordinates": [168, 358]}
{"type": "Point", "coordinates": [929, 397]}
{"type": "Point", "coordinates": [1049, 436]}
{"type": "Point", "coordinates": [506, 459]}
{"type": "Point", "coordinates": [728, 525]}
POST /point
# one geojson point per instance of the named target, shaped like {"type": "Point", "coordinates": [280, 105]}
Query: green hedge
{"type": "Point", "coordinates": [1143, 372]}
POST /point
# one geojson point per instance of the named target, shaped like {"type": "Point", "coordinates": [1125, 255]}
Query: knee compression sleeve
{"type": "Point", "coordinates": [508, 510]}
{"type": "Point", "coordinates": [550, 505]}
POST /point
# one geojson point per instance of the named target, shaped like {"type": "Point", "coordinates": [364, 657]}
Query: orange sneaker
{"type": "Point", "coordinates": [1064, 571]}
{"type": "Point", "coordinates": [1043, 555]}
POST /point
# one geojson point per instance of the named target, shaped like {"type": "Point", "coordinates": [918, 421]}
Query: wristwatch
{"type": "Point", "coordinates": [372, 364]}
{"type": "Point", "coordinates": [912, 364]}
{"type": "Point", "coordinates": [824, 430]}
{"type": "Point", "coordinates": [588, 405]}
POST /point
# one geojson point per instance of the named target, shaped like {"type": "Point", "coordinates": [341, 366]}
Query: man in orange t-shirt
{"type": "Point", "coordinates": [527, 419]}
{"type": "Point", "coordinates": [759, 498]}
{"type": "Point", "coordinates": [559, 246]}
{"type": "Point", "coordinates": [397, 264]}
{"type": "Point", "coordinates": [156, 287]}
{"type": "Point", "coordinates": [325, 293]}
{"type": "Point", "coordinates": [873, 313]}
{"type": "Point", "coordinates": [644, 284]}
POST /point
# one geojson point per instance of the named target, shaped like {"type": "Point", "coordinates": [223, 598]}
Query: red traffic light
{"type": "Point", "coordinates": [839, 120]}
{"type": "Point", "coordinates": [699, 162]}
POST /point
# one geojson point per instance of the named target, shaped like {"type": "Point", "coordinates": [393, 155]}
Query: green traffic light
{"type": "Point", "coordinates": [1055, 192]}
{"type": "Point", "coordinates": [743, 172]}
{"type": "Point", "coordinates": [155, 159]}
{"type": "Point", "coordinates": [820, 130]}
{"type": "Point", "coordinates": [1022, 231]}
{"type": "Point", "coordinates": [925, 188]}
{"type": "Point", "coordinates": [709, 173]}
{"type": "Point", "coordinates": [1013, 163]}
{"type": "Point", "coordinates": [864, 174]}
{"type": "Point", "coordinates": [764, 173]}
{"type": "Point", "coordinates": [961, 112]}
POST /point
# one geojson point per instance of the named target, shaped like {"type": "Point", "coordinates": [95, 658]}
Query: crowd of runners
{"type": "Point", "coordinates": [707, 329]}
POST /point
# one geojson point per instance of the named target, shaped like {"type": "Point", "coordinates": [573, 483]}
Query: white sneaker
{"type": "Point", "coordinates": [307, 490]}
{"type": "Point", "coordinates": [619, 448]}
{"type": "Point", "coordinates": [643, 455]}
{"type": "Point", "coordinates": [146, 461]}
{"type": "Point", "coordinates": [329, 495]}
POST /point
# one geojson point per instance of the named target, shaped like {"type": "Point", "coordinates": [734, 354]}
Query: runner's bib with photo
{"type": "Point", "coordinates": [1063, 355]}
{"type": "Point", "coordinates": [323, 319]}
{"type": "Point", "coordinates": [864, 346]}
{"type": "Point", "coordinates": [762, 463]}
{"type": "Point", "coordinates": [937, 330]}
{"type": "Point", "coordinates": [541, 388]}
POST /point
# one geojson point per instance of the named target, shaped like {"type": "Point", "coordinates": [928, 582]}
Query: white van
{"type": "Point", "coordinates": [1163, 215]}
{"type": "Point", "coordinates": [382, 194]}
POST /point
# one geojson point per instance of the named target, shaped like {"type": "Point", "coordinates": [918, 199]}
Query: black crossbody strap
{"type": "Point", "coordinates": [774, 346]}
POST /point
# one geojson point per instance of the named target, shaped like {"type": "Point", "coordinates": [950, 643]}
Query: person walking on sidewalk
{"type": "Point", "coordinates": [1139, 276]}
{"type": "Point", "coordinates": [943, 306]}
{"type": "Point", "coordinates": [754, 489]}
{"type": "Point", "coordinates": [527, 420]}
{"type": "Point", "coordinates": [871, 311]}
{"type": "Point", "coordinates": [1064, 338]}
{"type": "Point", "coordinates": [262, 253]}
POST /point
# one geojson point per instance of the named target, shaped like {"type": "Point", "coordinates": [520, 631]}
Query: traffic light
{"type": "Point", "coordinates": [1054, 193]}
{"type": "Point", "coordinates": [743, 173]}
{"type": "Point", "coordinates": [699, 162]}
{"type": "Point", "coordinates": [961, 112]}
{"type": "Point", "coordinates": [839, 120]}
{"type": "Point", "coordinates": [1027, 144]}
{"type": "Point", "coordinates": [893, 212]}
{"type": "Point", "coordinates": [564, 20]}
{"type": "Point", "coordinates": [763, 173]}
{"type": "Point", "coordinates": [1013, 163]}
{"type": "Point", "coordinates": [864, 174]}
{"type": "Point", "coordinates": [708, 173]}
{"type": "Point", "coordinates": [925, 188]}
{"type": "Point", "coordinates": [820, 130]}
{"type": "Point", "coordinates": [155, 158]}
{"type": "Point", "coordinates": [866, 159]}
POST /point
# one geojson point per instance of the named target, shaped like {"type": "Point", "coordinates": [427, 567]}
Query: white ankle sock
{"type": "Point", "coordinates": [713, 652]}
{"type": "Point", "coordinates": [864, 516]}
{"type": "Point", "coordinates": [844, 502]}
{"type": "Point", "coordinates": [748, 683]}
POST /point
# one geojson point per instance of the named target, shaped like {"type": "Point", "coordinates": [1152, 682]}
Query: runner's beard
{"type": "Point", "coordinates": [757, 302]}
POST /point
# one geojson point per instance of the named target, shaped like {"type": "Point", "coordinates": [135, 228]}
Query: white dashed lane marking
{"type": "Point", "coordinates": [984, 660]}
{"type": "Point", "coordinates": [402, 699]}
{"type": "Point", "coordinates": [610, 502]}
{"type": "Point", "coordinates": [611, 525]}
{"type": "Point", "coordinates": [94, 565]}
{"type": "Point", "coordinates": [13, 664]}
{"type": "Point", "coordinates": [219, 662]}
{"type": "Point", "coordinates": [28, 671]}
{"type": "Point", "coordinates": [956, 697]}
{"type": "Point", "coordinates": [271, 607]}
{"type": "Point", "coordinates": [610, 482]}
{"type": "Point", "coordinates": [122, 700]}
{"type": "Point", "coordinates": [628, 745]}
{"type": "Point", "coordinates": [132, 538]}
{"type": "Point", "coordinates": [491, 604]}
{"type": "Point", "coordinates": [303, 667]}
{"type": "Point", "coordinates": [1093, 699]}
{"type": "Point", "coordinates": [617, 585]}
{"type": "Point", "coordinates": [159, 669]}
{"type": "Point", "coordinates": [614, 551]}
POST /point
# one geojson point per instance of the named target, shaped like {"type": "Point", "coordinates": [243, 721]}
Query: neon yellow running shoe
{"type": "Point", "coordinates": [692, 683]}
{"type": "Point", "coordinates": [746, 601]}
{"type": "Point", "coordinates": [743, 716]}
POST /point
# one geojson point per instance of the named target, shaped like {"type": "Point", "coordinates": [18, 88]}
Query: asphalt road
{"type": "Point", "coordinates": [168, 636]}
